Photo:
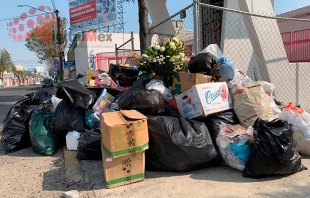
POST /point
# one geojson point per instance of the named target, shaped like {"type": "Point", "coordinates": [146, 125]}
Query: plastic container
{"type": "Point", "coordinates": [72, 140]}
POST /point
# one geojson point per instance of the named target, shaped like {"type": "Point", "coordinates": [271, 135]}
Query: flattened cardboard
{"type": "Point", "coordinates": [124, 133]}
{"type": "Point", "coordinates": [184, 81]}
{"type": "Point", "coordinates": [123, 170]}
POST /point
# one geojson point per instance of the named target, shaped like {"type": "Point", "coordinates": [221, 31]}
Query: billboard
{"type": "Point", "coordinates": [86, 14]}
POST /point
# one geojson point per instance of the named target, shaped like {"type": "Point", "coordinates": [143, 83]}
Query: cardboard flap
{"type": "Point", "coordinates": [113, 118]}
{"type": "Point", "coordinates": [133, 114]}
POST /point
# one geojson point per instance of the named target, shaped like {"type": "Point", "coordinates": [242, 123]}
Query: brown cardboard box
{"type": "Point", "coordinates": [124, 132]}
{"type": "Point", "coordinates": [123, 170]}
{"type": "Point", "coordinates": [132, 59]}
{"type": "Point", "coordinates": [183, 81]}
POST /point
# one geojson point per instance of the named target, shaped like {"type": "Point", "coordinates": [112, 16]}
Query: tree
{"type": "Point", "coordinates": [41, 39]}
{"type": "Point", "coordinates": [143, 20]}
{"type": "Point", "coordinates": [5, 61]}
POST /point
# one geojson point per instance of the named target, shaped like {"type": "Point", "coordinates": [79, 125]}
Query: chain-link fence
{"type": "Point", "coordinates": [273, 49]}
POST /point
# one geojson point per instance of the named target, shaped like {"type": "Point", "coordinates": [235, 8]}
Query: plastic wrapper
{"type": "Point", "coordinates": [205, 63]}
{"type": "Point", "coordinates": [91, 122]}
{"type": "Point", "coordinates": [55, 102]}
{"type": "Point", "coordinates": [159, 86]}
{"type": "Point", "coordinates": [274, 106]}
{"type": "Point", "coordinates": [145, 101]}
{"type": "Point", "coordinates": [234, 148]}
{"type": "Point", "coordinates": [15, 130]}
{"type": "Point", "coordinates": [274, 151]}
{"type": "Point", "coordinates": [301, 124]}
{"type": "Point", "coordinates": [177, 144]}
{"type": "Point", "coordinates": [76, 93]}
{"type": "Point", "coordinates": [89, 146]}
{"type": "Point", "coordinates": [213, 122]}
{"type": "Point", "coordinates": [41, 129]}
{"type": "Point", "coordinates": [68, 118]}
{"type": "Point", "coordinates": [268, 88]}
{"type": "Point", "coordinates": [103, 102]}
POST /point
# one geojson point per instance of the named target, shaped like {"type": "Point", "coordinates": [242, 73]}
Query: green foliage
{"type": "Point", "coordinates": [5, 60]}
{"type": "Point", "coordinates": [164, 59]}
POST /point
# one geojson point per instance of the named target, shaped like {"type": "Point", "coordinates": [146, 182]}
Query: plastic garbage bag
{"type": "Point", "coordinates": [55, 102]}
{"type": "Point", "coordinates": [15, 131]}
{"type": "Point", "coordinates": [301, 124]}
{"type": "Point", "coordinates": [41, 129]}
{"type": "Point", "coordinates": [205, 63]}
{"type": "Point", "coordinates": [227, 69]}
{"type": "Point", "coordinates": [274, 150]}
{"type": "Point", "coordinates": [89, 146]}
{"type": "Point", "coordinates": [233, 149]}
{"type": "Point", "coordinates": [76, 93]}
{"type": "Point", "coordinates": [213, 122]}
{"type": "Point", "coordinates": [177, 144]}
{"type": "Point", "coordinates": [144, 101]}
{"type": "Point", "coordinates": [68, 118]}
{"type": "Point", "coordinates": [214, 50]}
{"type": "Point", "coordinates": [159, 86]}
{"type": "Point", "coordinates": [268, 88]}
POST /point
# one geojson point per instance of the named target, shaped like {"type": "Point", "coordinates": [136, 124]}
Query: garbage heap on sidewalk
{"type": "Point", "coordinates": [165, 114]}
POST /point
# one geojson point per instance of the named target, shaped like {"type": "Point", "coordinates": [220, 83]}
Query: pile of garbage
{"type": "Point", "coordinates": [212, 115]}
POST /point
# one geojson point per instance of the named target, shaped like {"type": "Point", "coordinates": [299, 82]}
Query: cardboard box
{"type": "Point", "coordinates": [204, 99]}
{"type": "Point", "coordinates": [132, 59]}
{"type": "Point", "coordinates": [124, 132]}
{"type": "Point", "coordinates": [183, 81]}
{"type": "Point", "coordinates": [123, 170]}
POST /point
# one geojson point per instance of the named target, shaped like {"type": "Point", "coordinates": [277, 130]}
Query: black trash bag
{"type": "Point", "coordinates": [145, 101]}
{"type": "Point", "coordinates": [89, 146]}
{"type": "Point", "coordinates": [42, 96]}
{"type": "Point", "coordinates": [76, 93]}
{"type": "Point", "coordinates": [177, 144]}
{"type": "Point", "coordinates": [206, 63]}
{"type": "Point", "coordinates": [213, 122]}
{"type": "Point", "coordinates": [274, 151]}
{"type": "Point", "coordinates": [15, 131]}
{"type": "Point", "coordinates": [68, 118]}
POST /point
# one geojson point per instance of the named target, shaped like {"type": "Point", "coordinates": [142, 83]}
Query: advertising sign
{"type": "Point", "coordinates": [56, 61]}
{"type": "Point", "coordinates": [91, 13]}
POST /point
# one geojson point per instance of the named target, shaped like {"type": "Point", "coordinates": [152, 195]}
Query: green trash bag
{"type": "Point", "coordinates": [41, 130]}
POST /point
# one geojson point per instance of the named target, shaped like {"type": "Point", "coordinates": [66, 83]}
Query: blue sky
{"type": "Point", "coordinates": [22, 56]}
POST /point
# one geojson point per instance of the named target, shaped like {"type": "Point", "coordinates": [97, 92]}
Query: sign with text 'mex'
{"type": "Point", "coordinates": [69, 63]}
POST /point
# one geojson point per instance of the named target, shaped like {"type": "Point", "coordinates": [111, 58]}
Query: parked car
{"type": "Point", "coordinates": [37, 83]}
{"type": "Point", "coordinates": [47, 82]}
{"type": "Point", "coordinates": [21, 84]}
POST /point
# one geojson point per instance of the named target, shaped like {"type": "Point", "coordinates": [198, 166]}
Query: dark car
{"type": "Point", "coordinates": [47, 82]}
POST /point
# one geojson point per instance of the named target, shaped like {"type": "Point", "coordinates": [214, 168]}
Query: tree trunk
{"type": "Point", "coordinates": [143, 19]}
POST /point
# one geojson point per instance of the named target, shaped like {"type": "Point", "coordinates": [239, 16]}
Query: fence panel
{"type": "Point", "coordinates": [263, 46]}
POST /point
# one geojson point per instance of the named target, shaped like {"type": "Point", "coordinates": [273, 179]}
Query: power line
{"type": "Point", "coordinates": [7, 19]}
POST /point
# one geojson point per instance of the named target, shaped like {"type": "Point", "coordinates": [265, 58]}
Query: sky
{"type": "Point", "coordinates": [22, 56]}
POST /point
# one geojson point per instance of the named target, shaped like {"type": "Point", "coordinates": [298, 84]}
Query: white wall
{"type": "Point", "coordinates": [84, 49]}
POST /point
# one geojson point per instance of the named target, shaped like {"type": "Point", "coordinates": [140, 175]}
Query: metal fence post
{"type": "Point", "coordinates": [132, 42]}
{"type": "Point", "coordinates": [196, 29]}
{"type": "Point", "coordinates": [148, 35]}
{"type": "Point", "coordinates": [116, 54]}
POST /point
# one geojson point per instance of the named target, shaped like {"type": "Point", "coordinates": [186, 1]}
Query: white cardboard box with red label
{"type": "Point", "coordinates": [204, 99]}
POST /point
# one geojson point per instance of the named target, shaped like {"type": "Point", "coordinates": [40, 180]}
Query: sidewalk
{"type": "Point", "coordinates": [219, 181]}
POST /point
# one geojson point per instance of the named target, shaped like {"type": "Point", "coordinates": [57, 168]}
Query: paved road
{"type": "Point", "coordinates": [10, 95]}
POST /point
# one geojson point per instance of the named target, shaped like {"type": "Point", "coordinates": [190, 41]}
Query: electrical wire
{"type": "Point", "coordinates": [7, 19]}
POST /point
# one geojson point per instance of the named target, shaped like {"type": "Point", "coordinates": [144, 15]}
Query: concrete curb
{"type": "Point", "coordinates": [73, 169]}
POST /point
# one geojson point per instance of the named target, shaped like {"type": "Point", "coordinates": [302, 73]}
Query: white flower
{"type": "Point", "coordinates": [157, 57]}
{"type": "Point", "coordinates": [141, 63]}
{"type": "Point", "coordinates": [171, 44]}
{"type": "Point", "coordinates": [183, 59]}
{"type": "Point", "coordinates": [167, 56]}
{"type": "Point", "coordinates": [163, 62]}
{"type": "Point", "coordinates": [178, 56]}
{"type": "Point", "coordinates": [162, 49]}
{"type": "Point", "coordinates": [161, 56]}
{"type": "Point", "coordinates": [182, 55]}
{"type": "Point", "coordinates": [144, 55]}
{"type": "Point", "coordinates": [157, 47]}
{"type": "Point", "coordinates": [154, 60]}
{"type": "Point", "coordinates": [144, 62]}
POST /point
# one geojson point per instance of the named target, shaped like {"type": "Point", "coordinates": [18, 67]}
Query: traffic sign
{"type": "Point", "coordinates": [69, 64]}
{"type": "Point", "coordinates": [60, 47]}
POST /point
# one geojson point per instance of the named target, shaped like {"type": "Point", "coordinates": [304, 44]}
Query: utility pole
{"type": "Point", "coordinates": [60, 53]}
